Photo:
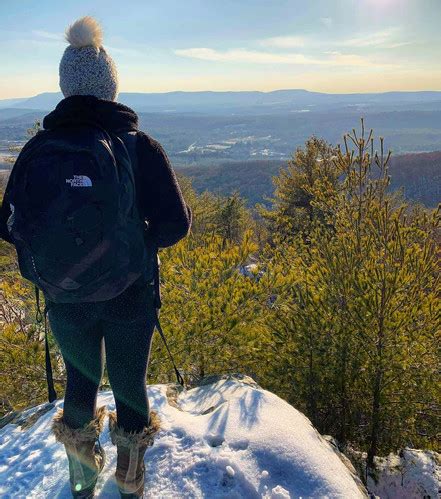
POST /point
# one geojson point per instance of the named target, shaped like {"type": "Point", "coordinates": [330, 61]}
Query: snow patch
{"type": "Point", "coordinates": [229, 438]}
{"type": "Point", "coordinates": [412, 474]}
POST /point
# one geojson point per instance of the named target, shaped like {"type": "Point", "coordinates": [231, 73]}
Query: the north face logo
{"type": "Point", "coordinates": [79, 181]}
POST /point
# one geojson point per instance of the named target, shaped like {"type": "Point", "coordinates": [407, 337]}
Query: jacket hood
{"type": "Point", "coordinates": [79, 109]}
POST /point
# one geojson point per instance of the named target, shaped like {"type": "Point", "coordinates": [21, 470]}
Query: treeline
{"type": "Point", "coordinates": [251, 179]}
{"type": "Point", "coordinates": [328, 296]}
{"type": "Point", "coordinates": [417, 175]}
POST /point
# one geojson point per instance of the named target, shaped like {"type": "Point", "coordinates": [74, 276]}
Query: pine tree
{"type": "Point", "coordinates": [292, 210]}
{"type": "Point", "coordinates": [357, 312]}
{"type": "Point", "coordinates": [232, 218]}
{"type": "Point", "coordinates": [211, 309]}
{"type": "Point", "coordinates": [21, 345]}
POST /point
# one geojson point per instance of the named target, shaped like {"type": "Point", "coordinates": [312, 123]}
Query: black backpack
{"type": "Point", "coordinates": [75, 223]}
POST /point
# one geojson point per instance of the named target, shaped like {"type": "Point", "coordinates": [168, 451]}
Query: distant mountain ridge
{"type": "Point", "coordinates": [202, 101]}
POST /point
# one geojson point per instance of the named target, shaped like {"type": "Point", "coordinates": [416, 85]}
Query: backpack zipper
{"type": "Point", "coordinates": [35, 267]}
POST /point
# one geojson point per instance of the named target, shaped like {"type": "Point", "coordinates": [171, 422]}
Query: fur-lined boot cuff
{"type": "Point", "coordinates": [67, 435]}
{"type": "Point", "coordinates": [129, 439]}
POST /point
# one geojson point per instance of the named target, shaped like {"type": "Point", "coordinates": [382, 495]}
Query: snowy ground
{"type": "Point", "coordinates": [227, 439]}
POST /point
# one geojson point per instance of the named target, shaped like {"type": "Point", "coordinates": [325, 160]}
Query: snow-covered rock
{"type": "Point", "coordinates": [251, 270]}
{"type": "Point", "coordinates": [226, 438]}
{"type": "Point", "coordinates": [411, 474]}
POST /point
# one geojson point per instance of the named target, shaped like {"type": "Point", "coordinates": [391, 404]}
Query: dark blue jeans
{"type": "Point", "coordinates": [122, 328]}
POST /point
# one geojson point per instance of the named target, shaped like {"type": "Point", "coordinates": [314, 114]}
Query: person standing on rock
{"type": "Point", "coordinates": [93, 252]}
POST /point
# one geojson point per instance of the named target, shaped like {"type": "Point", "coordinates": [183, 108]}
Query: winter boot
{"type": "Point", "coordinates": [85, 455]}
{"type": "Point", "coordinates": [131, 448]}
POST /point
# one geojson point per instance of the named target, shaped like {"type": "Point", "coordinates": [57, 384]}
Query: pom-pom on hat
{"type": "Point", "coordinates": [86, 68]}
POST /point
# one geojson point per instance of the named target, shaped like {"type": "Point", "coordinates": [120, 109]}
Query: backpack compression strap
{"type": "Point", "coordinates": [157, 305]}
{"type": "Point", "coordinates": [161, 332]}
{"type": "Point", "coordinates": [52, 394]}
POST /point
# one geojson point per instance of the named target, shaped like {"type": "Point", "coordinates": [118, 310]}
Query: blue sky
{"type": "Point", "coordinates": [166, 45]}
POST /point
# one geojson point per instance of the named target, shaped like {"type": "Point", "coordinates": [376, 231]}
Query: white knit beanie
{"type": "Point", "coordinates": [86, 68]}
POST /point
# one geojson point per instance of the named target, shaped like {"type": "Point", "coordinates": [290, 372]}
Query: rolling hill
{"type": "Point", "coordinates": [246, 101]}
{"type": "Point", "coordinates": [418, 175]}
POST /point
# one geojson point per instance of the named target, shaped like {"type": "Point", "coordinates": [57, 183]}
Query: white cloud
{"type": "Point", "coordinates": [354, 60]}
{"type": "Point", "coordinates": [284, 42]}
{"type": "Point", "coordinates": [47, 35]}
{"type": "Point", "coordinates": [241, 55]}
{"type": "Point", "coordinates": [259, 57]}
{"type": "Point", "coordinates": [385, 39]}
{"type": "Point", "coordinates": [326, 21]}
{"type": "Point", "coordinates": [389, 38]}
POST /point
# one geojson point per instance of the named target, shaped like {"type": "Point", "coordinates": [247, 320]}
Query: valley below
{"type": "Point", "coordinates": [237, 141]}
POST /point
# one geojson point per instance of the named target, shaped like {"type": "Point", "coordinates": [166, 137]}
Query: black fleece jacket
{"type": "Point", "coordinates": [159, 195]}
